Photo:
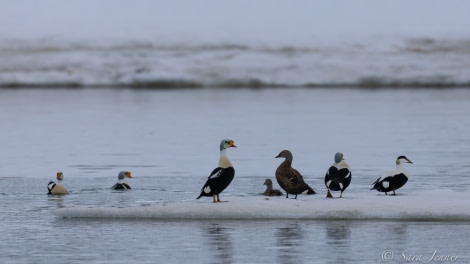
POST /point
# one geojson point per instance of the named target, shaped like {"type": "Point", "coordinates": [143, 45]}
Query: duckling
{"type": "Point", "coordinates": [269, 189]}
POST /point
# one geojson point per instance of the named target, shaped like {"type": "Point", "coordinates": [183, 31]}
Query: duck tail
{"type": "Point", "coordinates": [375, 185]}
{"type": "Point", "coordinates": [334, 183]}
{"type": "Point", "coordinates": [310, 190]}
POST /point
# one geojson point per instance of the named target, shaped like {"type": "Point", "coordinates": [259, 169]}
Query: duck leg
{"type": "Point", "coordinates": [328, 195]}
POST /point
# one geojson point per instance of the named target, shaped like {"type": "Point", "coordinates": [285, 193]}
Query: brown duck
{"type": "Point", "coordinates": [269, 189]}
{"type": "Point", "coordinates": [289, 178]}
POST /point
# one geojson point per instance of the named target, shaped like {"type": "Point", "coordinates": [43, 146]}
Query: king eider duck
{"type": "Point", "coordinates": [221, 176]}
{"type": "Point", "coordinates": [338, 176]}
{"type": "Point", "coordinates": [269, 189]}
{"type": "Point", "coordinates": [289, 178]}
{"type": "Point", "coordinates": [57, 188]}
{"type": "Point", "coordinates": [122, 184]}
{"type": "Point", "coordinates": [394, 179]}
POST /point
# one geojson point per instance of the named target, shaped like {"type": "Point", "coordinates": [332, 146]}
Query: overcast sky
{"type": "Point", "coordinates": [218, 20]}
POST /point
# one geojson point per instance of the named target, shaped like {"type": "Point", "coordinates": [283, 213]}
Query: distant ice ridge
{"type": "Point", "coordinates": [438, 205]}
{"type": "Point", "coordinates": [418, 62]}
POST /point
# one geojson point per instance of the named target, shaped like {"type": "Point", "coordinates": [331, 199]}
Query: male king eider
{"type": "Point", "coordinates": [338, 176]}
{"type": "Point", "coordinates": [57, 188]}
{"type": "Point", "coordinates": [394, 179]}
{"type": "Point", "coordinates": [269, 189]}
{"type": "Point", "coordinates": [289, 178]}
{"type": "Point", "coordinates": [122, 184]}
{"type": "Point", "coordinates": [221, 176]}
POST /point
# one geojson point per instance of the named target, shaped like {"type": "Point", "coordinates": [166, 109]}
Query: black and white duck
{"type": "Point", "coordinates": [57, 188]}
{"type": "Point", "coordinates": [338, 176]}
{"type": "Point", "coordinates": [122, 184]}
{"type": "Point", "coordinates": [221, 177]}
{"type": "Point", "coordinates": [394, 179]}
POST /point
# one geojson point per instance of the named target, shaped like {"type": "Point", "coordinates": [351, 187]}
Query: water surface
{"type": "Point", "coordinates": [169, 140]}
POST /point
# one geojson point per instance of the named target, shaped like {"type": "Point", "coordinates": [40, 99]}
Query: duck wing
{"type": "Point", "coordinates": [50, 186]}
{"type": "Point", "coordinates": [121, 186]}
{"type": "Point", "coordinates": [335, 176]}
{"type": "Point", "coordinates": [218, 180]}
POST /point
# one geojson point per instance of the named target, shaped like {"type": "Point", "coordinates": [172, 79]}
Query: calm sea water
{"type": "Point", "coordinates": [169, 140]}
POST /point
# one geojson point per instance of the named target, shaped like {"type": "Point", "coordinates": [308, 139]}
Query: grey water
{"type": "Point", "coordinates": [169, 140]}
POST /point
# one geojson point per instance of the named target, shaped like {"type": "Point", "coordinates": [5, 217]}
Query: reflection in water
{"type": "Point", "coordinates": [398, 232]}
{"type": "Point", "coordinates": [59, 199]}
{"type": "Point", "coordinates": [400, 229]}
{"type": "Point", "coordinates": [288, 239]}
{"type": "Point", "coordinates": [338, 235]}
{"type": "Point", "coordinates": [220, 242]}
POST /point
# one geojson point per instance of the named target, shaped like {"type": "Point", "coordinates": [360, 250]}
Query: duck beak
{"type": "Point", "coordinates": [409, 161]}
{"type": "Point", "coordinates": [129, 174]}
{"type": "Point", "coordinates": [232, 145]}
{"type": "Point", "coordinates": [278, 156]}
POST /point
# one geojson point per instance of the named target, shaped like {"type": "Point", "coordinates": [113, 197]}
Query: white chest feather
{"type": "Point", "coordinates": [59, 189]}
{"type": "Point", "coordinates": [224, 162]}
{"type": "Point", "coordinates": [341, 165]}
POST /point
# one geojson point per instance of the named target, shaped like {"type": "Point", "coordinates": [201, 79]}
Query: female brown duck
{"type": "Point", "coordinates": [289, 178]}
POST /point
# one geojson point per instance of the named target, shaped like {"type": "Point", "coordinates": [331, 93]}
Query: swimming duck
{"type": "Point", "coordinates": [221, 176]}
{"type": "Point", "coordinates": [394, 179]}
{"type": "Point", "coordinates": [122, 184]}
{"type": "Point", "coordinates": [269, 189]}
{"type": "Point", "coordinates": [57, 188]}
{"type": "Point", "coordinates": [338, 176]}
{"type": "Point", "coordinates": [289, 178]}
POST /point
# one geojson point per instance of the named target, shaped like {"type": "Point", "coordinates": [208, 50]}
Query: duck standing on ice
{"type": "Point", "coordinates": [338, 176]}
{"type": "Point", "coordinates": [57, 188]}
{"type": "Point", "coordinates": [394, 179]}
{"type": "Point", "coordinates": [289, 178]}
{"type": "Point", "coordinates": [122, 184]}
{"type": "Point", "coordinates": [220, 177]}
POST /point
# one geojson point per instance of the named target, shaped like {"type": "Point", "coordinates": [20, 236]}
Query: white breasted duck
{"type": "Point", "coordinates": [269, 189]}
{"type": "Point", "coordinates": [394, 179]}
{"type": "Point", "coordinates": [221, 176]}
{"type": "Point", "coordinates": [57, 188]}
{"type": "Point", "coordinates": [122, 184]}
{"type": "Point", "coordinates": [289, 178]}
{"type": "Point", "coordinates": [338, 176]}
